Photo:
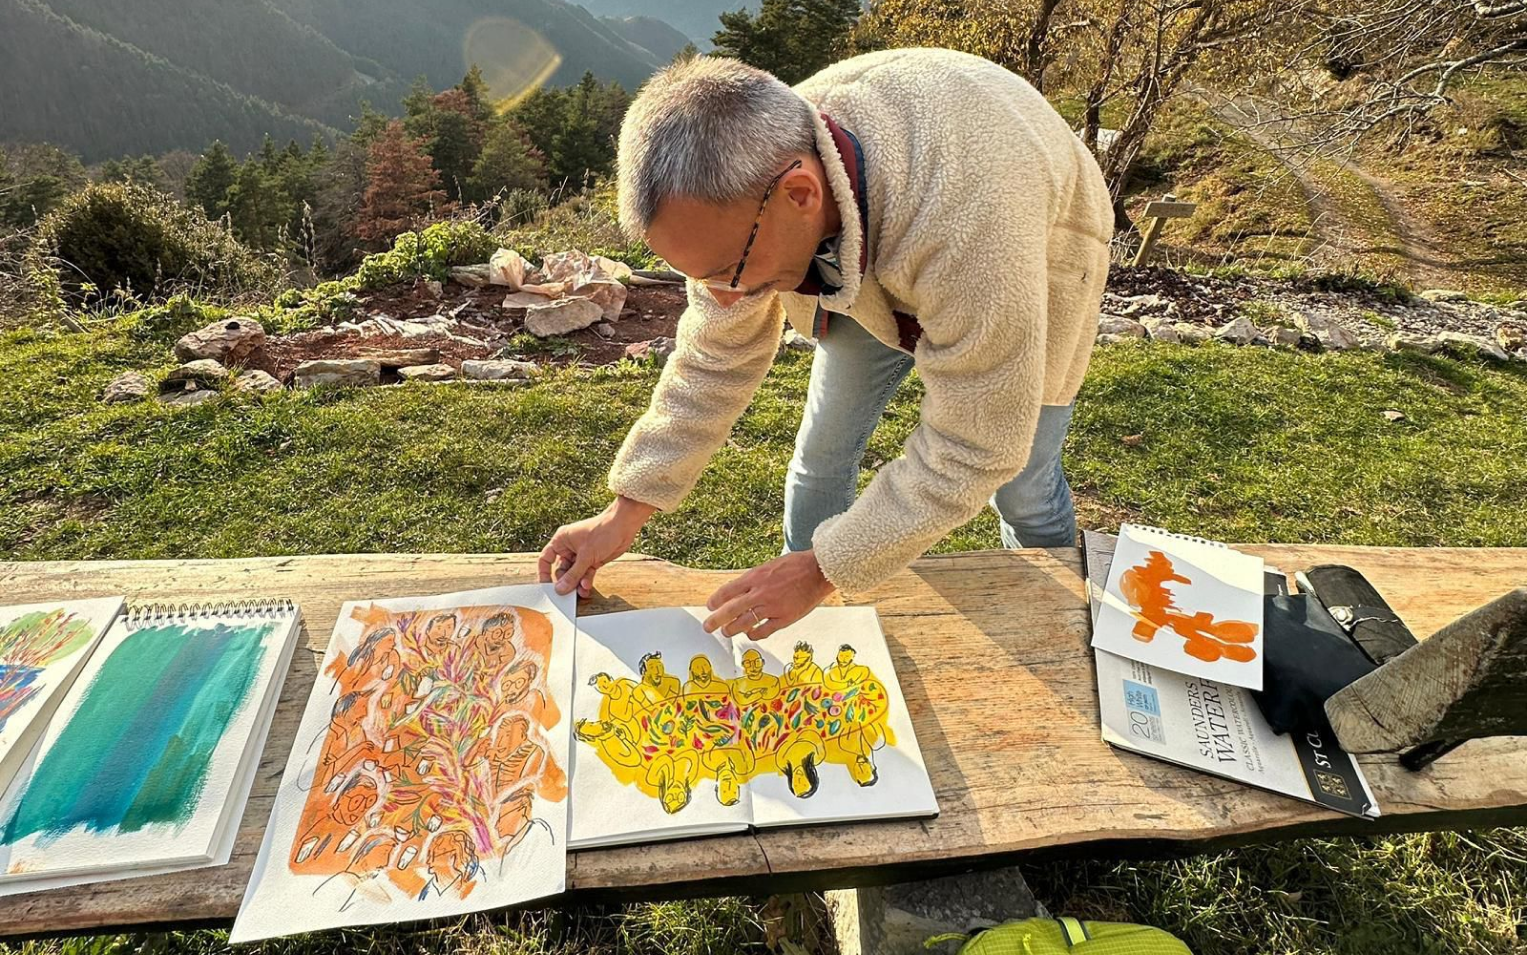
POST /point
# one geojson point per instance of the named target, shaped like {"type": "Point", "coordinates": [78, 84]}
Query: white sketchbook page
{"type": "Point", "coordinates": [228, 834]}
{"type": "Point", "coordinates": [82, 836]}
{"type": "Point", "coordinates": [609, 807]}
{"type": "Point", "coordinates": [394, 830]}
{"type": "Point", "coordinates": [1217, 581]}
{"type": "Point", "coordinates": [900, 787]}
{"type": "Point", "coordinates": [37, 668]}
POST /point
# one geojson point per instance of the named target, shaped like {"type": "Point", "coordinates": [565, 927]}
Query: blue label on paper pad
{"type": "Point", "coordinates": [1144, 712]}
{"type": "Point", "coordinates": [1142, 698]}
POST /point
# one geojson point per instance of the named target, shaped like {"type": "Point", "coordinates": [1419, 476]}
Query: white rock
{"type": "Point", "coordinates": [229, 341]}
{"type": "Point", "coordinates": [1161, 330]}
{"type": "Point", "coordinates": [1444, 295]}
{"type": "Point", "coordinates": [1120, 327]}
{"type": "Point", "coordinates": [561, 317]}
{"type": "Point", "coordinates": [128, 386]}
{"type": "Point", "coordinates": [188, 397]}
{"type": "Point", "coordinates": [658, 350]}
{"type": "Point", "coordinates": [255, 380]}
{"type": "Point", "coordinates": [604, 330]}
{"type": "Point", "coordinates": [1510, 338]}
{"type": "Point", "coordinates": [434, 288]}
{"type": "Point", "coordinates": [1107, 339]}
{"type": "Point", "coordinates": [496, 369]}
{"type": "Point", "coordinates": [475, 276]}
{"type": "Point", "coordinates": [1190, 334]}
{"type": "Point", "coordinates": [438, 372]}
{"type": "Point", "coordinates": [1312, 322]}
{"type": "Point", "coordinates": [524, 299]}
{"type": "Point", "coordinates": [795, 341]}
{"type": "Point", "coordinates": [1338, 338]}
{"type": "Point", "coordinates": [1471, 346]}
{"type": "Point", "coordinates": [609, 296]}
{"type": "Point", "coordinates": [1286, 337]}
{"type": "Point", "coordinates": [1239, 332]}
{"type": "Point", "coordinates": [507, 267]}
{"type": "Point", "coordinates": [203, 371]}
{"type": "Point", "coordinates": [1424, 344]}
{"type": "Point", "coordinates": [348, 372]}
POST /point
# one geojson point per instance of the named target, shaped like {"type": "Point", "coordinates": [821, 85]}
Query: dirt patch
{"type": "Point", "coordinates": [473, 323]}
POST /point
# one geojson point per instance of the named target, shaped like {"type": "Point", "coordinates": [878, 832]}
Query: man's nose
{"type": "Point", "coordinates": [727, 299]}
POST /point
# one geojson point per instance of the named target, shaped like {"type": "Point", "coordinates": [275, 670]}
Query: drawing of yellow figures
{"type": "Point", "coordinates": [663, 737]}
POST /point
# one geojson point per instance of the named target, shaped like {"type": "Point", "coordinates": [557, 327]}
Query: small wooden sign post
{"type": "Point", "coordinates": [1158, 211]}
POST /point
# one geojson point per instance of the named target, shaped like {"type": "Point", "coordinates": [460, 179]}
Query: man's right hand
{"type": "Point", "coordinates": [577, 550]}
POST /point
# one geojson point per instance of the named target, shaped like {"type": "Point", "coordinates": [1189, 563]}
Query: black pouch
{"type": "Point", "coordinates": [1307, 657]}
{"type": "Point", "coordinates": [1361, 611]}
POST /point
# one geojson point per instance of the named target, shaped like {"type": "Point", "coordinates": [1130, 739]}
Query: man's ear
{"type": "Point", "coordinates": [803, 189]}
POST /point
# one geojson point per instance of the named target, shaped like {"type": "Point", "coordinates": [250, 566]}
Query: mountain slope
{"type": "Point", "coordinates": [65, 83]}
{"type": "Point", "coordinates": [698, 19]}
{"type": "Point", "coordinates": [251, 46]}
{"type": "Point", "coordinates": [661, 39]}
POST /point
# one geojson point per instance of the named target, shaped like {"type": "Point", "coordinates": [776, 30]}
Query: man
{"type": "Point", "coordinates": [904, 206]}
{"type": "Point", "coordinates": [844, 672]}
{"type": "Point", "coordinates": [656, 685]}
{"type": "Point", "coordinates": [754, 684]}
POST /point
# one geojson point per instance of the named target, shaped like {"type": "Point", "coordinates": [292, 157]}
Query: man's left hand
{"type": "Point", "coordinates": [769, 597]}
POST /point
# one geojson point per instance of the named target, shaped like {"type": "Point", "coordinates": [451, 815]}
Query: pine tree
{"type": "Point", "coordinates": [790, 38]}
{"type": "Point", "coordinates": [452, 135]}
{"type": "Point", "coordinates": [478, 95]}
{"type": "Point", "coordinates": [210, 179]}
{"type": "Point", "coordinates": [402, 186]}
{"type": "Point", "coordinates": [508, 162]}
{"type": "Point", "coordinates": [258, 208]}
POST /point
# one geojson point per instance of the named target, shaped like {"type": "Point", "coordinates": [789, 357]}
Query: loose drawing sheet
{"type": "Point", "coordinates": [1185, 605]}
{"type": "Point", "coordinates": [680, 731]}
{"type": "Point", "coordinates": [140, 766]}
{"type": "Point", "coordinates": [429, 774]}
{"type": "Point", "coordinates": [42, 648]}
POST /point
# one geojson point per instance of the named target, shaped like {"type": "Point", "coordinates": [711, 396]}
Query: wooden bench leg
{"type": "Point", "coordinates": [1469, 680]}
{"type": "Point", "coordinates": [896, 919]}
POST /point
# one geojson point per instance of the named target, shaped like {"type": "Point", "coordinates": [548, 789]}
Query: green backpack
{"type": "Point", "coordinates": [1067, 936]}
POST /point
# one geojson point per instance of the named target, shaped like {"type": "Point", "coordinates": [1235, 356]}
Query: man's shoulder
{"type": "Point", "coordinates": [888, 67]}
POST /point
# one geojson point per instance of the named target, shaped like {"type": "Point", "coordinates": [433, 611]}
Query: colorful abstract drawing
{"type": "Point", "coordinates": [28, 645]}
{"type": "Point", "coordinates": [663, 737]}
{"type": "Point", "coordinates": [1154, 607]}
{"type": "Point", "coordinates": [136, 749]}
{"type": "Point", "coordinates": [434, 752]}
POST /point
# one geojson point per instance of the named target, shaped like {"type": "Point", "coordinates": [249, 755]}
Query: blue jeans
{"type": "Point", "coordinates": [853, 376]}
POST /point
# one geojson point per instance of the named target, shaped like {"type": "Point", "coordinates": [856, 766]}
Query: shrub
{"type": "Point", "coordinates": [429, 253]}
{"type": "Point", "coordinates": [128, 236]}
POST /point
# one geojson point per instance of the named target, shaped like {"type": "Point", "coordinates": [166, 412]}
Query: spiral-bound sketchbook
{"type": "Point", "coordinates": [42, 649]}
{"type": "Point", "coordinates": [147, 764]}
{"type": "Point", "coordinates": [1184, 604]}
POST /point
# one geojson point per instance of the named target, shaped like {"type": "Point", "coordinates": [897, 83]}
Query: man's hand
{"type": "Point", "coordinates": [769, 597]}
{"type": "Point", "coordinates": [577, 550]}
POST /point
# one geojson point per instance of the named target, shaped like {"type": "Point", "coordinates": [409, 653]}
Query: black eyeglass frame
{"type": "Point", "coordinates": [758, 221]}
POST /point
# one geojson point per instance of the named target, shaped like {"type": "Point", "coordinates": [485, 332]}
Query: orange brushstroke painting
{"type": "Point", "coordinates": [434, 754]}
{"type": "Point", "coordinates": [1153, 607]}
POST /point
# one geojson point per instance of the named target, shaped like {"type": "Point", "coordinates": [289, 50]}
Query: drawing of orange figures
{"type": "Point", "coordinates": [1205, 638]}
{"type": "Point", "coordinates": [435, 754]}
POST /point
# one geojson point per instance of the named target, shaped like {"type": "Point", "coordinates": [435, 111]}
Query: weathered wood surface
{"type": "Point", "coordinates": [991, 650]}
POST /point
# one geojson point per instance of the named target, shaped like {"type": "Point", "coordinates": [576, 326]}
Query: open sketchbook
{"type": "Point", "coordinates": [147, 764]}
{"type": "Point", "coordinates": [1212, 726]}
{"type": "Point", "coordinates": [42, 649]}
{"type": "Point", "coordinates": [683, 733]}
{"type": "Point", "coordinates": [428, 776]}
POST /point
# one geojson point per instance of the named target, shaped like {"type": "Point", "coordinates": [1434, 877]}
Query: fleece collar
{"type": "Point", "coordinates": [843, 160]}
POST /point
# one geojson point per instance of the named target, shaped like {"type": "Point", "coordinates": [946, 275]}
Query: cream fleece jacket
{"type": "Point", "coordinates": [989, 221]}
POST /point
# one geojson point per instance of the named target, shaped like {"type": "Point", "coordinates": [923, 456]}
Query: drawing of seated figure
{"type": "Point", "coordinates": [656, 685]}
{"type": "Point", "coordinates": [673, 777]}
{"type": "Point", "coordinates": [494, 646]}
{"type": "Point", "coordinates": [702, 678]}
{"type": "Point", "coordinates": [803, 669]}
{"type": "Point", "coordinates": [844, 672]}
{"type": "Point", "coordinates": [754, 684]}
{"type": "Point", "coordinates": [451, 862]}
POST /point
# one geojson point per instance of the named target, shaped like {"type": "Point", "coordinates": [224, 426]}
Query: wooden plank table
{"type": "Point", "coordinates": [991, 650]}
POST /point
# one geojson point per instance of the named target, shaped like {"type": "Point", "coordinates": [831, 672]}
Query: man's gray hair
{"type": "Point", "coordinates": [709, 128]}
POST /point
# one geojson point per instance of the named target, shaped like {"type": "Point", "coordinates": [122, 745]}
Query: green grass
{"type": "Point", "coordinates": [1238, 444]}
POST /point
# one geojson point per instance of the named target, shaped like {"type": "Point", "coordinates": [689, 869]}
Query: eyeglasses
{"type": "Point", "coordinates": [723, 286]}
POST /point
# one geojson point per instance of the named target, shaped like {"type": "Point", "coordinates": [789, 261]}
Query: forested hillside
{"type": "Point", "coordinates": [106, 79]}
{"type": "Point", "coordinates": [65, 83]}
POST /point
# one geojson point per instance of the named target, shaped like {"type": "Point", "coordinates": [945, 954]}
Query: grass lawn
{"type": "Point", "coordinates": [1243, 445]}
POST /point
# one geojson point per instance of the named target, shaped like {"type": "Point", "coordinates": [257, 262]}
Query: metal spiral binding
{"type": "Point", "coordinates": [1182, 537]}
{"type": "Point", "coordinates": [142, 615]}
